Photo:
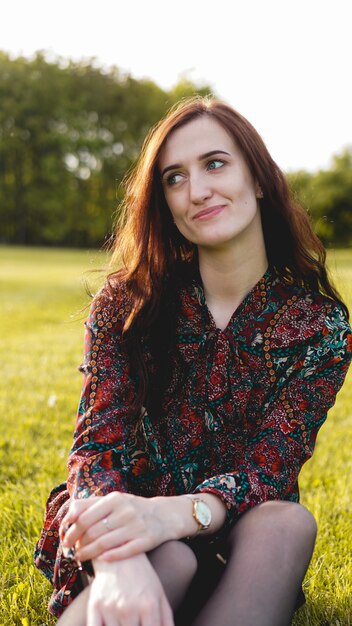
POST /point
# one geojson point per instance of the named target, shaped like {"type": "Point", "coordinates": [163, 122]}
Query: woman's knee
{"type": "Point", "coordinates": [177, 557]}
{"type": "Point", "coordinates": [289, 521]}
{"type": "Point", "coordinates": [296, 522]}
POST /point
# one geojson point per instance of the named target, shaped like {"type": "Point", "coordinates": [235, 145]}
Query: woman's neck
{"type": "Point", "coordinates": [228, 274]}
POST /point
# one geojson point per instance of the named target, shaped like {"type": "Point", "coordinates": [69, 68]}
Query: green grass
{"type": "Point", "coordinates": [43, 308]}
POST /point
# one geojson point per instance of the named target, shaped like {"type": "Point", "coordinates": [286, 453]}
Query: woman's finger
{"type": "Point", "coordinates": [150, 613]}
{"type": "Point", "coordinates": [110, 513]}
{"type": "Point", "coordinates": [125, 551]}
{"type": "Point", "coordinates": [94, 617]}
{"type": "Point", "coordinates": [102, 527]}
{"type": "Point", "coordinates": [129, 620]}
{"type": "Point", "coordinates": [167, 618]}
{"type": "Point", "coordinates": [103, 543]}
{"type": "Point", "coordinates": [123, 522]}
{"type": "Point", "coordinates": [113, 620]}
{"type": "Point", "coordinates": [90, 515]}
{"type": "Point", "coordinates": [77, 507]}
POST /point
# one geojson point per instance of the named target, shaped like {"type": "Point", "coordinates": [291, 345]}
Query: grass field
{"type": "Point", "coordinates": [43, 308]}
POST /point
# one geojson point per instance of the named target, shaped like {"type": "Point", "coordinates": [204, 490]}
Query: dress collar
{"type": "Point", "coordinates": [252, 304]}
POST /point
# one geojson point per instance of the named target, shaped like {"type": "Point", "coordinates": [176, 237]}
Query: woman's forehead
{"type": "Point", "coordinates": [193, 139]}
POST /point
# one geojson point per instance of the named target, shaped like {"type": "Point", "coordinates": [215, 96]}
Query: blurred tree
{"type": "Point", "coordinates": [68, 133]}
{"type": "Point", "coordinates": [327, 196]}
{"type": "Point", "coordinates": [332, 191]}
{"type": "Point", "coordinates": [185, 88]}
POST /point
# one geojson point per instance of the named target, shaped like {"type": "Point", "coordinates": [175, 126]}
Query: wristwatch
{"type": "Point", "coordinates": [201, 513]}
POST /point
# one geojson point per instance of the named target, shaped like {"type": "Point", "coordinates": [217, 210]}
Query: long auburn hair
{"type": "Point", "coordinates": [153, 253]}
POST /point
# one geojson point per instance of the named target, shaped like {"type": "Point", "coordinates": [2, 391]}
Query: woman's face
{"type": "Point", "coordinates": [208, 186]}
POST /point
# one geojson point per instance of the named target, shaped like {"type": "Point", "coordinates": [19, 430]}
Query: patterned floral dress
{"type": "Point", "coordinates": [240, 414]}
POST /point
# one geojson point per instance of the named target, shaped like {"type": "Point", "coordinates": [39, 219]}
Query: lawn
{"type": "Point", "coordinates": [44, 302]}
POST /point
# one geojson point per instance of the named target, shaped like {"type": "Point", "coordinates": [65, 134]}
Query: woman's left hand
{"type": "Point", "coordinates": [115, 526]}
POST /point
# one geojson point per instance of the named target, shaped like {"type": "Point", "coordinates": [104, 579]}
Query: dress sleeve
{"type": "Point", "coordinates": [97, 460]}
{"type": "Point", "coordinates": [287, 427]}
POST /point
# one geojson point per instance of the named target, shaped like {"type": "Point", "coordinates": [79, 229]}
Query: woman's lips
{"type": "Point", "coordinates": [209, 212]}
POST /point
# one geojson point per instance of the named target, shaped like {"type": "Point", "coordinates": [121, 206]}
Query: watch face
{"type": "Point", "coordinates": [203, 513]}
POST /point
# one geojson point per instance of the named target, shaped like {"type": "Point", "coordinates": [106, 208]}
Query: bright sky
{"type": "Point", "coordinates": [285, 65]}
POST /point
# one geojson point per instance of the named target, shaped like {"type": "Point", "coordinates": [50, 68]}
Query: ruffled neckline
{"type": "Point", "coordinates": [252, 303]}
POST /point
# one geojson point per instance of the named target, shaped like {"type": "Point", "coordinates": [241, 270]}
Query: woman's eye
{"type": "Point", "coordinates": [173, 179]}
{"type": "Point", "coordinates": [215, 164]}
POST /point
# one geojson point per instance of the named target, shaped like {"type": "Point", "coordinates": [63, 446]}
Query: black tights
{"type": "Point", "coordinates": [267, 552]}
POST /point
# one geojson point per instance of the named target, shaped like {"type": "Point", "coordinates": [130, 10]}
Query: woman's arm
{"type": "Point", "coordinates": [96, 459]}
{"type": "Point", "coordinates": [128, 591]}
{"type": "Point", "coordinates": [119, 526]}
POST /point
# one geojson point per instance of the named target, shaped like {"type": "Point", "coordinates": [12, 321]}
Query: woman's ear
{"type": "Point", "coordinates": [258, 192]}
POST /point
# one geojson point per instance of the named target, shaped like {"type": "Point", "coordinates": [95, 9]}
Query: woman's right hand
{"type": "Point", "coordinates": [127, 593]}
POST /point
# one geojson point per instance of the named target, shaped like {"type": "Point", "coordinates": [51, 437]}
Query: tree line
{"type": "Point", "coordinates": [69, 131]}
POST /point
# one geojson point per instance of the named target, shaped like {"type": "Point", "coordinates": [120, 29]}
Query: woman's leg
{"type": "Point", "coordinates": [270, 548]}
{"type": "Point", "coordinates": [76, 612]}
{"type": "Point", "coordinates": [175, 564]}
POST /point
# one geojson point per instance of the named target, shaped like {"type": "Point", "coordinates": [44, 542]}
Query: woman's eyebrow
{"type": "Point", "coordinates": [200, 158]}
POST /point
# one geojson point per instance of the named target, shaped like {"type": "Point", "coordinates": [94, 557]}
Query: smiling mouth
{"type": "Point", "coordinates": [210, 212]}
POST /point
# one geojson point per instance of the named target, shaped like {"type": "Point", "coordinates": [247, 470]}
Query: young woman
{"type": "Point", "coordinates": [211, 359]}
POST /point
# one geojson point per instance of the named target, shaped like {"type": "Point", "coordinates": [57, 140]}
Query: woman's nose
{"type": "Point", "coordinates": [199, 188]}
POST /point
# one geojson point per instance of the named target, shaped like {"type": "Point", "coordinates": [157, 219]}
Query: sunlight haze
{"type": "Point", "coordinates": [285, 66]}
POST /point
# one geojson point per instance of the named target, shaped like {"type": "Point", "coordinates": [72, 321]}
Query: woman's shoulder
{"type": "Point", "coordinates": [304, 313]}
{"type": "Point", "coordinates": [111, 305]}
